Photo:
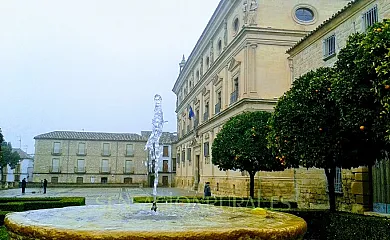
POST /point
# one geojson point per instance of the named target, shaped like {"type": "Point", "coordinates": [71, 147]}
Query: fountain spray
{"type": "Point", "coordinates": [153, 145]}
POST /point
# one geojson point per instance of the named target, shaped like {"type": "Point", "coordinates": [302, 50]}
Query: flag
{"type": "Point", "coordinates": [191, 113]}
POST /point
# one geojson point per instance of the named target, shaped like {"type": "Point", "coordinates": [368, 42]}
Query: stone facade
{"type": "Point", "coordinates": [238, 65]}
{"type": "Point", "coordinates": [85, 157]}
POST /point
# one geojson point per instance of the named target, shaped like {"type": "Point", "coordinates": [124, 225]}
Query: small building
{"type": "Point", "coordinates": [167, 168]}
{"type": "Point", "coordinates": [65, 157]}
{"type": "Point", "coordinates": [24, 169]}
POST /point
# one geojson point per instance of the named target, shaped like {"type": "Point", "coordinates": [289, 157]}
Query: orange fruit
{"type": "Point", "coordinates": [387, 87]}
{"type": "Point", "coordinates": [362, 128]}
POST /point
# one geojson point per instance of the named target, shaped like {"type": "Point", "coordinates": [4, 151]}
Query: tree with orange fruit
{"type": "Point", "coordinates": [242, 145]}
{"type": "Point", "coordinates": [305, 126]}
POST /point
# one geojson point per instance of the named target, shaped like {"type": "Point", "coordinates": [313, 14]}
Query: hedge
{"type": "Point", "coordinates": [323, 224]}
{"type": "Point", "coordinates": [8, 205]}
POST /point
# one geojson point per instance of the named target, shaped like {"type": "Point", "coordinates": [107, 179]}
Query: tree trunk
{"type": "Point", "coordinates": [330, 176]}
{"type": "Point", "coordinates": [252, 185]}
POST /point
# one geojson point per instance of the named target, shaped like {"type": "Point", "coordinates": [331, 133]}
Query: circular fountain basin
{"type": "Point", "coordinates": [136, 222]}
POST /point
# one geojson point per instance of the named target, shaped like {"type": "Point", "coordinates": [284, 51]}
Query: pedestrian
{"type": "Point", "coordinates": [41, 188]}
{"type": "Point", "coordinates": [24, 183]}
{"type": "Point", "coordinates": [207, 190]}
{"type": "Point", "coordinates": [44, 186]}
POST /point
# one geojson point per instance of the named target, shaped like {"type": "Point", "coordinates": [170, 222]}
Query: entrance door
{"type": "Point", "coordinates": [79, 180]}
{"type": "Point", "coordinates": [197, 167]}
{"type": "Point", "coordinates": [165, 166]}
{"type": "Point", "coordinates": [128, 180]}
{"type": "Point", "coordinates": [381, 186]}
{"type": "Point", "coordinates": [165, 181]}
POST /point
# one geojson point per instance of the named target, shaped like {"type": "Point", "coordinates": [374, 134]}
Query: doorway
{"type": "Point", "coordinates": [197, 169]}
{"type": "Point", "coordinates": [165, 181]}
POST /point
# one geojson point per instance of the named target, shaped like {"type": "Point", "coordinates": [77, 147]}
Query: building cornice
{"type": "Point", "coordinates": [214, 23]}
{"type": "Point", "coordinates": [242, 39]}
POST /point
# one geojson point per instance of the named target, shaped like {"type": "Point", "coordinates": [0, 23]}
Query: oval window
{"type": "Point", "coordinates": [236, 25]}
{"type": "Point", "coordinates": [304, 14]}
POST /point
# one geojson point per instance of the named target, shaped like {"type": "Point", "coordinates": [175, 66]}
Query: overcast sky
{"type": "Point", "coordinates": [92, 64]}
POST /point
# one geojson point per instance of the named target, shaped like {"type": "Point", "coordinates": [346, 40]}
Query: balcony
{"type": "Point", "coordinates": [206, 116]}
{"type": "Point", "coordinates": [217, 108]}
{"type": "Point", "coordinates": [233, 97]}
{"type": "Point", "coordinates": [80, 169]}
{"type": "Point", "coordinates": [105, 170]}
{"type": "Point", "coordinates": [127, 170]}
{"type": "Point", "coordinates": [55, 169]}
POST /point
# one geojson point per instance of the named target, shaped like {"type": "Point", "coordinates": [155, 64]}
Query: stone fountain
{"type": "Point", "coordinates": [137, 222]}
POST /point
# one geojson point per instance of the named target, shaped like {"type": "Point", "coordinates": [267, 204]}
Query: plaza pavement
{"type": "Point", "coordinates": [98, 196]}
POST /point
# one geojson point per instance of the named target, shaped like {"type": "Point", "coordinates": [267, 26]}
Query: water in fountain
{"type": "Point", "coordinates": [153, 144]}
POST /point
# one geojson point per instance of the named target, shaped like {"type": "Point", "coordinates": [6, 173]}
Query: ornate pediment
{"type": "Point", "coordinates": [233, 64]}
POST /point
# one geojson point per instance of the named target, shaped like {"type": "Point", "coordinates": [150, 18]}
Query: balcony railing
{"type": "Point", "coordinates": [80, 169]}
{"type": "Point", "coordinates": [233, 97]}
{"type": "Point", "coordinates": [217, 108]}
{"type": "Point", "coordinates": [55, 169]}
{"type": "Point", "coordinates": [105, 170]}
{"type": "Point", "coordinates": [206, 116]}
{"type": "Point", "coordinates": [128, 170]}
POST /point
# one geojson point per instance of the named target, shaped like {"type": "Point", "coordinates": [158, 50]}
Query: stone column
{"type": "Point", "coordinates": [360, 188]}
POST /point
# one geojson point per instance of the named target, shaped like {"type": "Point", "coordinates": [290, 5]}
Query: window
{"type": "Point", "coordinates": [106, 149]}
{"type": "Point", "coordinates": [128, 180]}
{"type": "Point", "coordinates": [80, 166]}
{"type": "Point", "coordinates": [218, 105]}
{"type": "Point", "coordinates": [206, 149]}
{"type": "Point", "coordinates": [183, 156]}
{"type": "Point", "coordinates": [57, 148]}
{"type": "Point", "coordinates": [370, 17]}
{"type": "Point", "coordinates": [54, 180]}
{"type": "Point", "coordinates": [234, 94]}
{"type": "Point", "coordinates": [197, 75]}
{"type": "Point", "coordinates": [165, 151]}
{"type": "Point", "coordinates": [55, 167]}
{"type": "Point", "coordinates": [81, 149]}
{"type": "Point", "coordinates": [219, 46]}
{"type": "Point", "coordinates": [129, 166]}
{"type": "Point", "coordinates": [173, 164]}
{"type": "Point", "coordinates": [165, 166]}
{"type": "Point", "coordinates": [178, 160]}
{"type": "Point", "coordinates": [304, 14]}
{"type": "Point", "coordinates": [104, 180]}
{"type": "Point", "coordinates": [207, 63]}
{"type": "Point", "coordinates": [105, 168]}
{"type": "Point", "coordinates": [206, 112]}
{"type": "Point", "coordinates": [189, 154]}
{"type": "Point", "coordinates": [338, 186]}
{"type": "Point", "coordinates": [329, 47]}
{"type": "Point", "coordinates": [236, 25]}
{"type": "Point", "coordinates": [79, 180]}
{"type": "Point", "coordinates": [129, 150]}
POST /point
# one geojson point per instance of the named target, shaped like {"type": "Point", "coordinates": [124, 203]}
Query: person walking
{"type": "Point", "coordinates": [24, 183]}
{"type": "Point", "coordinates": [44, 186]}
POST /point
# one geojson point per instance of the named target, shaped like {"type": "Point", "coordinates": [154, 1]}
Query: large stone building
{"type": "Point", "coordinates": [320, 49]}
{"type": "Point", "coordinates": [92, 157]}
{"type": "Point", "coordinates": [239, 64]}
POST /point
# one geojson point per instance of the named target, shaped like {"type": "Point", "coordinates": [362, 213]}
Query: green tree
{"type": "Point", "coordinates": [242, 145]}
{"type": "Point", "coordinates": [8, 157]}
{"type": "Point", "coordinates": [363, 131]}
{"type": "Point", "coordinates": [375, 62]}
{"type": "Point", "coordinates": [305, 127]}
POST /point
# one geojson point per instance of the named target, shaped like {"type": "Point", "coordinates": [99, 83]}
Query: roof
{"type": "Point", "coordinates": [70, 135]}
{"type": "Point", "coordinates": [166, 137]}
{"type": "Point", "coordinates": [326, 22]}
{"type": "Point", "coordinates": [22, 154]}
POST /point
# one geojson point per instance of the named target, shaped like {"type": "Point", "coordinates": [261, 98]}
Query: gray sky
{"type": "Point", "coordinates": [92, 64]}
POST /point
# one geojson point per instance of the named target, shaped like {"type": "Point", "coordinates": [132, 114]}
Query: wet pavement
{"type": "Point", "coordinates": [98, 196]}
